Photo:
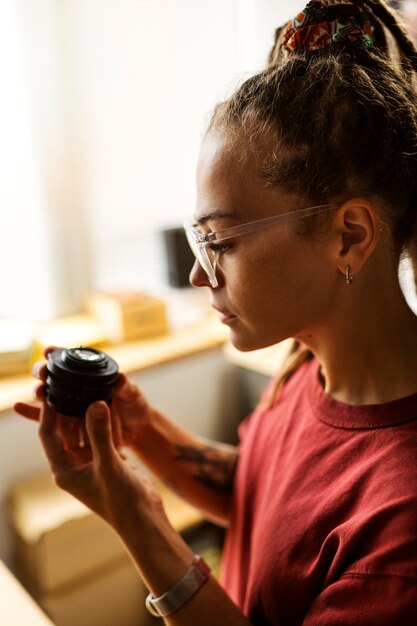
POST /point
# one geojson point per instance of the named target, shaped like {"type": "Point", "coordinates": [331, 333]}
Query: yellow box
{"type": "Point", "coordinates": [129, 315]}
{"type": "Point", "coordinates": [17, 346]}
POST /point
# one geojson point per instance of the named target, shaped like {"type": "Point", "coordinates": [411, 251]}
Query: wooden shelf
{"type": "Point", "coordinates": [134, 356]}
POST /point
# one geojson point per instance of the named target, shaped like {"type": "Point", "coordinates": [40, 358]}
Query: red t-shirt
{"type": "Point", "coordinates": [324, 517]}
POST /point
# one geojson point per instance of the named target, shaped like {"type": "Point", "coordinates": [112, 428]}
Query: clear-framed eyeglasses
{"type": "Point", "coordinates": [205, 245]}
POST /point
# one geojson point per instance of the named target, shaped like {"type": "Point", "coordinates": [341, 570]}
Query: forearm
{"type": "Point", "coordinates": [105, 481]}
{"type": "Point", "coordinates": [199, 471]}
{"type": "Point", "coordinates": [162, 558]}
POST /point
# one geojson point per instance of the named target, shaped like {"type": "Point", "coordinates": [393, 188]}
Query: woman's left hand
{"type": "Point", "coordinates": [97, 474]}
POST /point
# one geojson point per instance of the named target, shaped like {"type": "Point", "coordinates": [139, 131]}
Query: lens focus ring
{"type": "Point", "coordinates": [77, 377]}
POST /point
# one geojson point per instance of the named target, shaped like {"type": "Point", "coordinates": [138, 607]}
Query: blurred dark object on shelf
{"type": "Point", "coordinates": [179, 257]}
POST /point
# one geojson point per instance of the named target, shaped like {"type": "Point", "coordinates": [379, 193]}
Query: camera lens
{"type": "Point", "coordinates": [76, 377]}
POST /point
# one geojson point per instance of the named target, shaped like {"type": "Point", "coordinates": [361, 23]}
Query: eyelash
{"type": "Point", "coordinates": [220, 248]}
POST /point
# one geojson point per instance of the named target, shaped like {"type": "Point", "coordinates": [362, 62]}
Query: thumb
{"type": "Point", "coordinates": [125, 389]}
{"type": "Point", "coordinates": [99, 431]}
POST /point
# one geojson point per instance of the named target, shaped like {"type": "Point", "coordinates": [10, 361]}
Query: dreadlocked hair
{"type": "Point", "coordinates": [333, 124]}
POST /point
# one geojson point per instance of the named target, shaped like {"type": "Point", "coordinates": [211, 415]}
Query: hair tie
{"type": "Point", "coordinates": [326, 22]}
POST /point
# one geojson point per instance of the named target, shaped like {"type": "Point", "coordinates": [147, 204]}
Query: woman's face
{"type": "Point", "coordinates": [272, 284]}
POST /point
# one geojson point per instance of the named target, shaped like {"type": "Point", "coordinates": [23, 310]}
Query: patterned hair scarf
{"type": "Point", "coordinates": [326, 22]}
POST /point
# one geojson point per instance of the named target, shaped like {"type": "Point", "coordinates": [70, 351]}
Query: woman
{"type": "Point", "coordinates": [306, 201]}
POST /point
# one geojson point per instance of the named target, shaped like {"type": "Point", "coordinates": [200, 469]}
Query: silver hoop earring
{"type": "Point", "coordinates": [348, 275]}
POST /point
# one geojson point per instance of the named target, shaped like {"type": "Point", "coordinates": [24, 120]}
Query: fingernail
{"type": "Point", "coordinates": [39, 392]}
{"type": "Point", "coordinates": [36, 370]}
{"type": "Point", "coordinates": [98, 411]}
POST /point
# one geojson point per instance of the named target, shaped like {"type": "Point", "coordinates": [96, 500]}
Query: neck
{"type": "Point", "coordinates": [368, 353]}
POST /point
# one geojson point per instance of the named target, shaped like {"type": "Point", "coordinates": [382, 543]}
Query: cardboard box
{"type": "Point", "coordinates": [115, 596]}
{"type": "Point", "coordinates": [57, 539]}
{"type": "Point", "coordinates": [73, 563]}
{"type": "Point", "coordinates": [71, 331]}
{"type": "Point", "coordinates": [128, 315]}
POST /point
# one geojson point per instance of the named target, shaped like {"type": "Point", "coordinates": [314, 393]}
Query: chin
{"type": "Point", "coordinates": [247, 343]}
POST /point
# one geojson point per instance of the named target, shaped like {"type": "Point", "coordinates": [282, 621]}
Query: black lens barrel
{"type": "Point", "coordinates": [76, 377]}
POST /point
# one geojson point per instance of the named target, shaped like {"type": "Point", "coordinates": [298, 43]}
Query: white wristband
{"type": "Point", "coordinates": [181, 592]}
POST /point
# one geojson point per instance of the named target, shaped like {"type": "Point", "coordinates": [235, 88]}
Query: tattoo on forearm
{"type": "Point", "coordinates": [214, 468]}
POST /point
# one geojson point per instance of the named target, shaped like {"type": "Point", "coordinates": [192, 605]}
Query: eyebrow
{"type": "Point", "coordinates": [215, 215]}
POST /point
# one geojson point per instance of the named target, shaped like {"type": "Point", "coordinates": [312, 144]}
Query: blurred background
{"type": "Point", "coordinates": [103, 105]}
{"type": "Point", "coordinates": [102, 110]}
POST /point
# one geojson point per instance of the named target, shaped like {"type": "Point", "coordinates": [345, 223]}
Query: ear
{"type": "Point", "coordinates": [358, 227]}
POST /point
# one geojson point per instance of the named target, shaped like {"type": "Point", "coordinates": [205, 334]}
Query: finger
{"type": "Point", "coordinates": [83, 440]}
{"type": "Point", "coordinates": [30, 411]}
{"type": "Point", "coordinates": [121, 379]}
{"type": "Point", "coordinates": [50, 349]}
{"type": "Point", "coordinates": [39, 392]}
{"type": "Point", "coordinates": [39, 370]}
{"type": "Point", "coordinates": [73, 432]}
{"type": "Point", "coordinates": [52, 439]}
{"type": "Point", "coordinates": [99, 432]}
{"type": "Point", "coordinates": [116, 427]}
{"type": "Point", "coordinates": [125, 390]}
{"type": "Point", "coordinates": [122, 382]}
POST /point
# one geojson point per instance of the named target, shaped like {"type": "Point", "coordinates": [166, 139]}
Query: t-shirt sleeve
{"type": "Point", "coordinates": [366, 600]}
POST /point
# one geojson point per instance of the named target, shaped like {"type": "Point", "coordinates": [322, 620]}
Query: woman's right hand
{"type": "Point", "coordinates": [130, 412]}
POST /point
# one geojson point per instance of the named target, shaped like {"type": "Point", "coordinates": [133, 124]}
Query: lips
{"type": "Point", "coordinates": [224, 316]}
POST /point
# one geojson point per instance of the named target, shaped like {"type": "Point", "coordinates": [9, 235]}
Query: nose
{"type": "Point", "coordinates": [198, 277]}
